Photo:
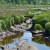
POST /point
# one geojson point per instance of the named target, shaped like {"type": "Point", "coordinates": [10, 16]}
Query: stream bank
{"type": "Point", "coordinates": [19, 28]}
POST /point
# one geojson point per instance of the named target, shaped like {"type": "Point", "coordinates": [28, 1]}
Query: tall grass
{"type": "Point", "coordinates": [8, 21]}
{"type": "Point", "coordinates": [42, 18]}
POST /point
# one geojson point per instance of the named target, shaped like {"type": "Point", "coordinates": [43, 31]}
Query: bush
{"type": "Point", "coordinates": [47, 27]}
{"type": "Point", "coordinates": [2, 17]}
{"type": "Point", "coordinates": [29, 15]}
{"type": "Point", "coordinates": [3, 25]}
{"type": "Point", "coordinates": [42, 22]}
{"type": "Point", "coordinates": [0, 27]}
{"type": "Point", "coordinates": [8, 24]}
{"type": "Point", "coordinates": [22, 18]}
{"type": "Point", "coordinates": [18, 19]}
{"type": "Point", "coordinates": [42, 19]}
{"type": "Point", "coordinates": [38, 27]}
{"type": "Point", "coordinates": [7, 21]}
{"type": "Point", "coordinates": [12, 20]}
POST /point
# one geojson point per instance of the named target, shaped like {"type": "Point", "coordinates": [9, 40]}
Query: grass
{"type": "Point", "coordinates": [43, 15]}
{"type": "Point", "coordinates": [19, 11]}
{"type": "Point", "coordinates": [15, 6]}
{"type": "Point", "coordinates": [7, 21]}
{"type": "Point", "coordinates": [42, 19]}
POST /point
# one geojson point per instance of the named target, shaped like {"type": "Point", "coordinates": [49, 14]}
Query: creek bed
{"type": "Point", "coordinates": [40, 42]}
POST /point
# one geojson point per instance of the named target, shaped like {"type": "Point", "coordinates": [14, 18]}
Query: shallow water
{"type": "Point", "coordinates": [38, 41]}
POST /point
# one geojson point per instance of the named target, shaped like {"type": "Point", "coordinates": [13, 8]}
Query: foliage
{"type": "Point", "coordinates": [7, 21]}
{"type": "Point", "coordinates": [12, 20]}
{"type": "Point", "coordinates": [38, 27]}
{"type": "Point", "coordinates": [8, 24]}
{"type": "Point", "coordinates": [18, 19]}
{"type": "Point", "coordinates": [29, 15]}
{"type": "Point", "coordinates": [22, 18]}
{"type": "Point", "coordinates": [47, 27]}
{"type": "Point", "coordinates": [3, 25]}
{"type": "Point", "coordinates": [0, 27]}
{"type": "Point", "coordinates": [41, 18]}
{"type": "Point", "coordinates": [25, 1]}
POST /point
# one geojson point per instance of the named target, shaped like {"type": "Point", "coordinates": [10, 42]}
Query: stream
{"type": "Point", "coordinates": [38, 41]}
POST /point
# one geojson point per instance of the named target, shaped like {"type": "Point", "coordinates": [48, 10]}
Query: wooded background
{"type": "Point", "coordinates": [26, 1]}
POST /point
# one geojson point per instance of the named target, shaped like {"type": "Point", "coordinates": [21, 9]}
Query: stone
{"type": "Point", "coordinates": [24, 45]}
{"type": "Point", "coordinates": [28, 21]}
{"type": "Point", "coordinates": [38, 31]}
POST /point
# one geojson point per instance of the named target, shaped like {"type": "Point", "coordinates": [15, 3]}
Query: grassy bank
{"type": "Point", "coordinates": [42, 21]}
{"type": "Point", "coordinates": [16, 14]}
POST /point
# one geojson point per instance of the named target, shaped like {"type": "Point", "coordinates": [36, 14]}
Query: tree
{"type": "Point", "coordinates": [45, 1]}
{"type": "Point", "coordinates": [25, 1]}
{"type": "Point", "coordinates": [29, 1]}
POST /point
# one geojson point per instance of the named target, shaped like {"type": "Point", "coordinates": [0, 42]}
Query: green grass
{"type": "Point", "coordinates": [42, 19]}
{"type": "Point", "coordinates": [7, 21]}
{"type": "Point", "coordinates": [14, 14]}
{"type": "Point", "coordinates": [38, 27]}
{"type": "Point", "coordinates": [47, 27]}
{"type": "Point", "coordinates": [15, 6]}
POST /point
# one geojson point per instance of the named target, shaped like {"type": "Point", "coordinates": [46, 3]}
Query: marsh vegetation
{"type": "Point", "coordinates": [20, 16]}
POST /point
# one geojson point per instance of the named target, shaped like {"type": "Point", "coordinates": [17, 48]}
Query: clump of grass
{"type": "Point", "coordinates": [7, 21]}
{"type": "Point", "coordinates": [29, 15]}
{"type": "Point", "coordinates": [38, 27]}
{"type": "Point", "coordinates": [18, 19]}
{"type": "Point", "coordinates": [47, 27]}
{"type": "Point", "coordinates": [42, 18]}
{"type": "Point", "coordinates": [0, 27]}
{"type": "Point", "coordinates": [3, 25]}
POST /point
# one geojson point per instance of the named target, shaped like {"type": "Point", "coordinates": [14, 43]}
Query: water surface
{"type": "Point", "coordinates": [38, 41]}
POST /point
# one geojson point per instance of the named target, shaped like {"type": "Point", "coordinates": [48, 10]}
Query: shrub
{"type": "Point", "coordinates": [41, 22]}
{"type": "Point", "coordinates": [29, 15]}
{"type": "Point", "coordinates": [22, 18]}
{"type": "Point", "coordinates": [0, 27]}
{"type": "Point", "coordinates": [3, 24]}
{"type": "Point", "coordinates": [18, 19]}
{"type": "Point", "coordinates": [8, 24]}
{"type": "Point", "coordinates": [38, 27]}
{"type": "Point", "coordinates": [47, 27]}
{"type": "Point", "coordinates": [2, 17]}
{"type": "Point", "coordinates": [12, 20]}
{"type": "Point", "coordinates": [42, 19]}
